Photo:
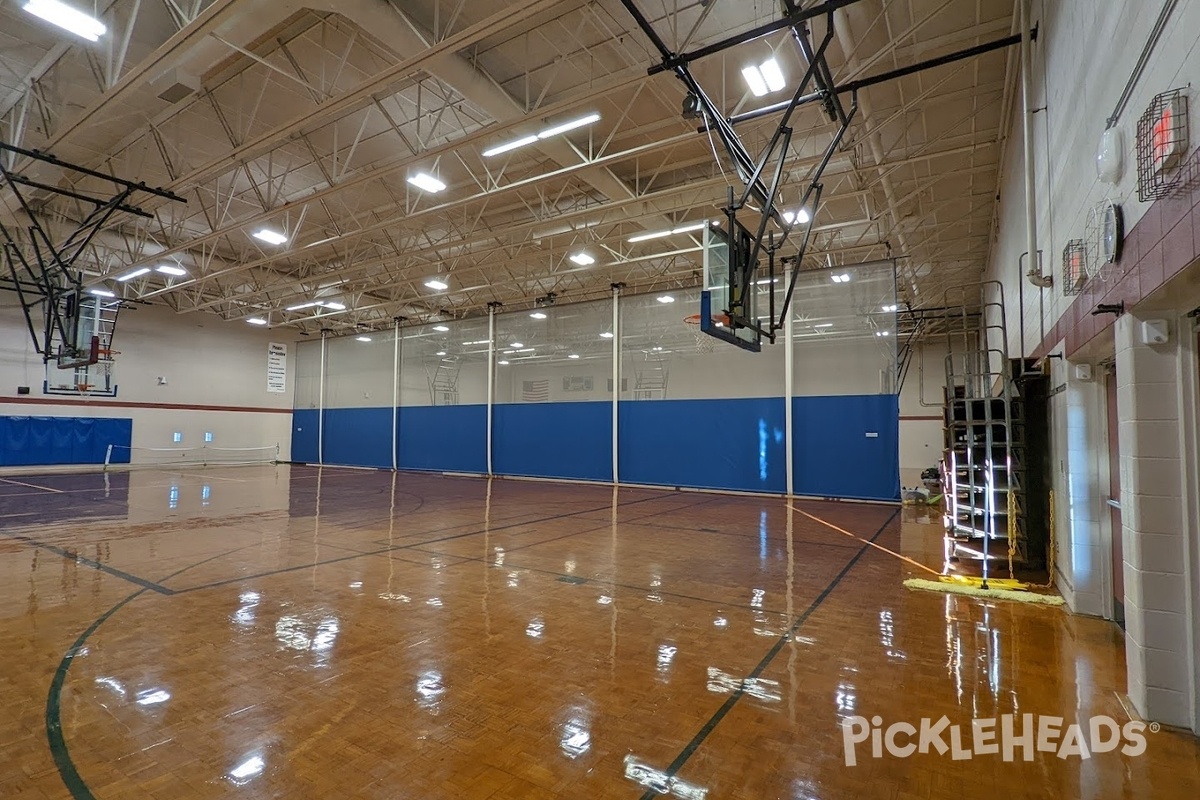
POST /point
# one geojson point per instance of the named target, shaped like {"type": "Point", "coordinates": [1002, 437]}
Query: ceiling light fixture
{"type": "Point", "coordinates": [426, 182]}
{"type": "Point", "coordinates": [362, 338]}
{"type": "Point", "coordinates": [545, 134]}
{"type": "Point", "coordinates": [440, 353]}
{"type": "Point", "coordinates": [606, 335]}
{"type": "Point", "coordinates": [665, 298]}
{"type": "Point", "coordinates": [883, 333]}
{"type": "Point", "coordinates": [438, 284]}
{"type": "Point", "coordinates": [843, 278]}
{"type": "Point", "coordinates": [301, 307]}
{"type": "Point", "coordinates": [694, 226]}
{"type": "Point", "coordinates": [332, 306]}
{"type": "Point", "coordinates": [256, 321]}
{"type": "Point", "coordinates": [101, 293]}
{"type": "Point", "coordinates": [583, 259]}
{"type": "Point", "coordinates": [171, 269]}
{"type": "Point", "coordinates": [889, 309]}
{"type": "Point", "coordinates": [538, 315]}
{"type": "Point", "coordinates": [502, 363]}
{"type": "Point", "coordinates": [796, 217]}
{"type": "Point", "coordinates": [269, 236]}
{"type": "Point", "coordinates": [767, 77]}
{"type": "Point", "coordinates": [67, 18]}
{"type": "Point", "coordinates": [516, 345]}
{"type": "Point", "coordinates": [573, 355]}
{"type": "Point", "coordinates": [137, 273]}
{"type": "Point", "coordinates": [824, 325]}
{"type": "Point", "coordinates": [441, 328]}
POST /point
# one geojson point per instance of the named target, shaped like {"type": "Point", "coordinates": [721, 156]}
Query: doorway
{"type": "Point", "coordinates": [1114, 497]}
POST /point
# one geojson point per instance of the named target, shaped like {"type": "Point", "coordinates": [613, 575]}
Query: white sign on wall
{"type": "Point", "coordinates": [276, 367]}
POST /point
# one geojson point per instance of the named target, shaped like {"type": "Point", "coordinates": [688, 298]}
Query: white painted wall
{"type": "Point", "coordinates": [205, 361]}
{"type": "Point", "coordinates": [1086, 51]}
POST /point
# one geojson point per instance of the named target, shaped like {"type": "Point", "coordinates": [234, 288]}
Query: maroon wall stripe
{"type": "Point", "coordinates": [70, 401]}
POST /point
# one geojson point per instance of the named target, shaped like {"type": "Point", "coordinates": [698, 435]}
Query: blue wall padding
{"type": "Point", "coordinates": [304, 435]}
{"type": "Point", "coordinates": [714, 444]}
{"type": "Point", "coordinates": [443, 438]}
{"type": "Point", "coordinates": [359, 437]}
{"type": "Point", "coordinates": [36, 441]}
{"type": "Point", "coordinates": [553, 440]}
{"type": "Point", "coordinates": [833, 456]}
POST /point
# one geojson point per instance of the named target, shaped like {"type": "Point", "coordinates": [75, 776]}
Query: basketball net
{"type": "Point", "coordinates": [704, 342]}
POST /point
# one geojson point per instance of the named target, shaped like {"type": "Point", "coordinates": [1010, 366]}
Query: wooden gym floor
{"type": "Point", "coordinates": [281, 632]}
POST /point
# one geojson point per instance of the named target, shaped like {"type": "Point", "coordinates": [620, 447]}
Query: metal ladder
{"type": "Point", "coordinates": [443, 384]}
{"type": "Point", "coordinates": [983, 427]}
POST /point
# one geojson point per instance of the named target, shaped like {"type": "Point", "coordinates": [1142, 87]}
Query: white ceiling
{"type": "Point", "coordinates": [309, 120]}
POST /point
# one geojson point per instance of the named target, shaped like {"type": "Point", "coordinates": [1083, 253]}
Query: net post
{"type": "Point", "coordinates": [107, 457]}
{"type": "Point", "coordinates": [277, 452]}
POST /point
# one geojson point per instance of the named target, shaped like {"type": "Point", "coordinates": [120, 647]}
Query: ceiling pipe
{"type": "Point", "coordinates": [1034, 274]}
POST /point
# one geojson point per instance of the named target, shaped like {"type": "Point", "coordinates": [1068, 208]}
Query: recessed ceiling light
{"type": "Point", "coordinates": [606, 335]}
{"type": "Point", "coordinates": [438, 284]}
{"type": "Point", "coordinates": [441, 328]}
{"type": "Point", "coordinates": [573, 355]}
{"type": "Point", "coordinates": [583, 259]}
{"type": "Point", "coordinates": [362, 338]}
{"type": "Point", "coordinates": [256, 321]}
{"type": "Point", "coordinates": [665, 298]}
{"type": "Point", "coordinates": [102, 293]}
{"type": "Point", "coordinates": [170, 269]}
{"type": "Point", "coordinates": [137, 273]}
{"type": "Point", "coordinates": [67, 18]}
{"type": "Point", "coordinates": [269, 236]}
{"type": "Point", "coordinates": [426, 182]}
{"type": "Point", "coordinates": [538, 315]}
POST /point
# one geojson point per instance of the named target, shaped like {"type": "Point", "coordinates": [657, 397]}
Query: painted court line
{"type": "Point", "coordinates": [87, 562]}
{"type": "Point", "coordinates": [30, 485]}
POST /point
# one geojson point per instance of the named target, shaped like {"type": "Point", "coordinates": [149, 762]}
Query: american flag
{"type": "Point", "coordinates": [535, 391]}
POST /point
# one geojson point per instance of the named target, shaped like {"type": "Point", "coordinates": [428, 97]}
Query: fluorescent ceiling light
{"type": "Point", "coordinates": [573, 355]}
{"type": "Point", "coordinates": [666, 298]}
{"type": "Point", "coordinates": [824, 325]}
{"type": "Point", "coordinates": [569, 126]}
{"type": "Point", "coordinates": [269, 236]}
{"type": "Point", "coordinates": [67, 18]}
{"type": "Point", "coordinates": [606, 335]}
{"type": "Point", "coordinates": [583, 259]}
{"type": "Point", "coordinates": [332, 306]}
{"type": "Point", "coordinates": [440, 353]}
{"type": "Point", "coordinates": [426, 182]}
{"type": "Point", "coordinates": [755, 80]}
{"type": "Point", "coordinates": [171, 269]}
{"type": "Point", "coordinates": [538, 315]}
{"type": "Point", "coordinates": [502, 363]}
{"type": "Point", "coordinates": [256, 321]}
{"type": "Point", "coordinates": [516, 345]}
{"type": "Point", "coordinates": [773, 75]}
{"type": "Point", "coordinates": [301, 307]}
{"type": "Point", "coordinates": [102, 293]}
{"type": "Point", "coordinates": [438, 284]}
{"type": "Point", "coordinates": [481, 341]}
{"type": "Point", "coordinates": [765, 78]}
{"type": "Point", "coordinates": [793, 217]}
{"type": "Point", "coordinates": [513, 145]}
{"type": "Point", "coordinates": [843, 278]}
{"type": "Point", "coordinates": [137, 273]}
{"type": "Point", "coordinates": [440, 328]}
{"type": "Point", "coordinates": [694, 226]}
{"type": "Point", "coordinates": [889, 309]}
{"type": "Point", "coordinates": [362, 338]}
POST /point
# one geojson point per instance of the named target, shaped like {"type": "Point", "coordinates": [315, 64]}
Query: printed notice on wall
{"type": "Point", "coordinates": [276, 367]}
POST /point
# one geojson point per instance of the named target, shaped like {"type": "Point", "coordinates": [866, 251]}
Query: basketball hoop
{"type": "Point", "coordinates": [704, 342]}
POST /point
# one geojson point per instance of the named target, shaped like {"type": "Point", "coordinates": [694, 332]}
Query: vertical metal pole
{"type": "Point", "coordinates": [788, 368]}
{"type": "Point", "coordinates": [321, 407]}
{"type": "Point", "coordinates": [616, 379]}
{"type": "Point", "coordinates": [491, 381]}
{"type": "Point", "coordinates": [395, 392]}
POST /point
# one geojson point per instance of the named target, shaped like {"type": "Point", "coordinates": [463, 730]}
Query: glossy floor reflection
{"type": "Point", "coordinates": [289, 632]}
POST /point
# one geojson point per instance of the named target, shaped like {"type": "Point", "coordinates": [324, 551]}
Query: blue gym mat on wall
{"type": "Point", "coordinates": [29, 441]}
{"type": "Point", "coordinates": [443, 438]}
{"type": "Point", "coordinates": [359, 437]}
{"type": "Point", "coordinates": [553, 440]}
{"type": "Point", "coordinates": [711, 444]}
{"type": "Point", "coordinates": [847, 446]}
{"type": "Point", "coordinates": [304, 435]}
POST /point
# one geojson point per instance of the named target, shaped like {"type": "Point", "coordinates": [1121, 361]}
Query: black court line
{"type": "Point", "coordinates": [87, 562]}
{"type": "Point", "coordinates": [737, 695]}
{"type": "Point", "coordinates": [383, 550]}
{"type": "Point", "coordinates": [54, 733]}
